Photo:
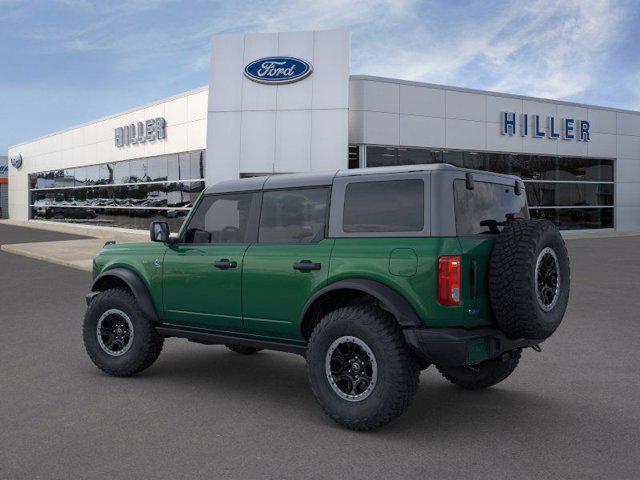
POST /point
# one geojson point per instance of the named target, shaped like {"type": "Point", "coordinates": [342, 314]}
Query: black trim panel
{"type": "Point", "coordinates": [448, 346]}
{"type": "Point", "coordinates": [217, 339]}
{"type": "Point", "coordinates": [392, 300]}
{"type": "Point", "coordinates": [137, 286]}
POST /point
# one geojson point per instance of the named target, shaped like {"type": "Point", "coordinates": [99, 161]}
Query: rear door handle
{"type": "Point", "coordinates": [306, 265]}
{"type": "Point", "coordinates": [224, 264]}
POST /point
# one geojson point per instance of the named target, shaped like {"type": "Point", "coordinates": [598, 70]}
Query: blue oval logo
{"type": "Point", "coordinates": [278, 70]}
{"type": "Point", "coordinates": [16, 160]}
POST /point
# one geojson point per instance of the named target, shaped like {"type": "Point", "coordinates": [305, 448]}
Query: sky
{"type": "Point", "coordinates": [66, 62]}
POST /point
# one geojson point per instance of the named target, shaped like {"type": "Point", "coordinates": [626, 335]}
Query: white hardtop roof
{"type": "Point", "coordinates": [293, 180]}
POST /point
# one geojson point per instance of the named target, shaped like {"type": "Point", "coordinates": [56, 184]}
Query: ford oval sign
{"type": "Point", "coordinates": [278, 70]}
{"type": "Point", "coordinates": [16, 160]}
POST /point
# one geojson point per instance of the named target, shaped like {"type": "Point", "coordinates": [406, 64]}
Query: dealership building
{"type": "Point", "coordinates": [286, 102]}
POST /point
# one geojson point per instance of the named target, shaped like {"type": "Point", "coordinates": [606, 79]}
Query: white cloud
{"type": "Point", "coordinates": [540, 48]}
{"type": "Point", "coordinates": [565, 52]}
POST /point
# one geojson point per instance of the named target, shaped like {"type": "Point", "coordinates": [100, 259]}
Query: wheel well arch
{"type": "Point", "coordinates": [107, 281]}
{"type": "Point", "coordinates": [343, 292]}
{"type": "Point", "coordinates": [126, 278]}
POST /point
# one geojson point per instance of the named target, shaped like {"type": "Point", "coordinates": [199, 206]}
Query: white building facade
{"type": "Point", "coordinates": [285, 102]}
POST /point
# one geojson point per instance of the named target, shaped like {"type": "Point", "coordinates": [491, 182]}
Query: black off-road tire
{"type": "Point", "coordinates": [145, 346]}
{"type": "Point", "coordinates": [513, 291]}
{"type": "Point", "coordinates": [482, 375]}
{"type": "Point", "coordinates": [242, 349]}
{"type": "Point", "coordinates": [398, 370]}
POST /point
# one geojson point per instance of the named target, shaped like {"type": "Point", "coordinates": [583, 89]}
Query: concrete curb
{"type": "Point", "coordinates": [96, 231]}
{"type": "Point", "coordinates": [85, 265]}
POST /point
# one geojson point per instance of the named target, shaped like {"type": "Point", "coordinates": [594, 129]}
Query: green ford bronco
{"type": "Point", "coordinates": [370, 274]}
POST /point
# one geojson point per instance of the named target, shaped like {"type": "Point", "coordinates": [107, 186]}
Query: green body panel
{"type": "Point", "coordinates": [139, 258]}
{"type": "Point", "coordinates": [196, 293]}
{"type": "Point", "coordinates": [264, 296]}
{"type": "Point", "coordinates": [403, 262]}
{"type": "Point", "coordinates": [378, 259]}
{"type": "Point", "coordinates": [273, 293]}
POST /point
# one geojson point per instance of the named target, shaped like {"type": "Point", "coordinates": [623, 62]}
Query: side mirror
{"type": "Point", "coordinates": [159, 232]}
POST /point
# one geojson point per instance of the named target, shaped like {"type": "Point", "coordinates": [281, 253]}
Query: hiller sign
{"type": "Point", "coordinates": [147, 131]}
{"type": "Point", "coordinates": [525, 124]}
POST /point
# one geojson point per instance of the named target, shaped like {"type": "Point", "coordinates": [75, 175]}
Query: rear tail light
{"type": "Point", "coordinates": [449, 274]}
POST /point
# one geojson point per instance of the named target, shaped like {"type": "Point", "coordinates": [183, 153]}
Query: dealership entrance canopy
{"type": "Point", "coordinates": [285, 102]}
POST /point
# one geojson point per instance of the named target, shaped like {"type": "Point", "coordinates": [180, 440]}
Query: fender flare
{"type": "Point", "coordinates": [135, 284]}
{"type": "Point", "coordinates": [392, 300]}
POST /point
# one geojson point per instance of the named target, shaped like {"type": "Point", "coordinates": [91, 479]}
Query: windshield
{"type": "Point", "coordinates": [484, 209]}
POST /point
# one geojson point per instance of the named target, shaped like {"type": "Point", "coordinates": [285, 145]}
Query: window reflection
{"type": "Point", "coordinates": [382, 156]}
{"type": "Point", "coordinates": [121, 172]}
{"type": "Point", "coordinates": [139, 171]}
{"type": "Point", "coordinates": [157, 169]}
{"type": "Point", "coordinates": [120, 194]}
{"type": "Point", "coordinates": [92, 175]}
{"type": "Point", "coordinates": [453, 158]}
{"type": "Point", "coordinates": [550, 181]}
{"type": "Point", "coordinates": [576, 218]}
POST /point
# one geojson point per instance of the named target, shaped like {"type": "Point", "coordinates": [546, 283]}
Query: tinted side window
{"type": "Point", "coordinates": [484, 208]}
{"type": "Point", "coordinates": [230, 218]}
{"type": "Point", "coordinates": [294, 216]}
{"type": "Point", "coordinates": [384, 206]}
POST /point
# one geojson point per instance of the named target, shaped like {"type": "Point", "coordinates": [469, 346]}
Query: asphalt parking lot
{"type": "Point", "coordinates": [570, 412]}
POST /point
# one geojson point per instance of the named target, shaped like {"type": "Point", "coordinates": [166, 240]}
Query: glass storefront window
{"type": "Point", "coordinates": [197, 165]}
{"type": "Point", "coordinates": [477, 161]}
{"type": "Point", "coordinates": [534, 167]}
{"type": "Point", "coordinates": [541, 193]}
{"type": "Point", "coordinates": [570, 184]}
{"type": "Point", "coordinates": [354, 156]}
{"type": "Point", "coordinates": [173, 167]}
{"type": "Point", "coordinates": [105, 175]}
{"type": "Point", "coordinates": [139, 171]}
{"type": "Point", "coordinates": [92, 175]}
{"type": "Point", "coordinates": [58, 178]}
{"type": "Point", "coordinates": [583, 194]}
{"type": "Point", "coordinates": [453, 158]}
{"type": "Point", "coordinates": [569, 194]}
{"type": "Point", "coordinates": [121, 172]}
{"type": "Point", "coordinates": [130, 193]}
{"type": "Point", "coordinates": [416, 156]}
{"type": "Point", "coordinates": [184, 166]}
{"type": "Point", "coordinates": [391, 156]}
{"type": "Point", "coordinates": [80, 176]}
{"type": "Point", "coordinates": [499, 162]}
{"type": "Point", "coordinates": [382, 156]}
{"type": "Point", "coordinates": [576, 218]}
{"type": "Point", "coordinates": [157, 169]}
{"type": "Point", "coordinates": [585, 169]}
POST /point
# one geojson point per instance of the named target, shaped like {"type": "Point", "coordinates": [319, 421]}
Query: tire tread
{"type": "Point", "coordinates": [404, 379]}
{"type": "Point", "coordinates": [152, 340]}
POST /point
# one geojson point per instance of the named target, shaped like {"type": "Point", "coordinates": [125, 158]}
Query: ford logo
{"type": "Point", "coordinates": [277, 70]}
{"type": "Point", "coordinates": [16, 160]}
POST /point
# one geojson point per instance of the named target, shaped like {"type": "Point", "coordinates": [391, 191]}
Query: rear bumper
{"type": "Point", "coordinates": [458, 346]}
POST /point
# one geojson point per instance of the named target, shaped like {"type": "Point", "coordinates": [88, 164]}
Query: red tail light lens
{"type": "Point", "coordinates": [449, 273]}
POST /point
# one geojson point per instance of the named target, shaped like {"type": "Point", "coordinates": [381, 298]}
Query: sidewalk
{"type": "Point", "coordinates": [70, 253]}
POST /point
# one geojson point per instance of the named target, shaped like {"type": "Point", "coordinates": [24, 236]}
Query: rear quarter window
{"type": "Point", "coordinates": [484, 209]}
{"type": "Point", "coordinates": [384, 206]}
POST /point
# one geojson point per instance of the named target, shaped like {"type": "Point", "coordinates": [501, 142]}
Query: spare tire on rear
{"type": "Point", "coordinates": [529, 279]}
